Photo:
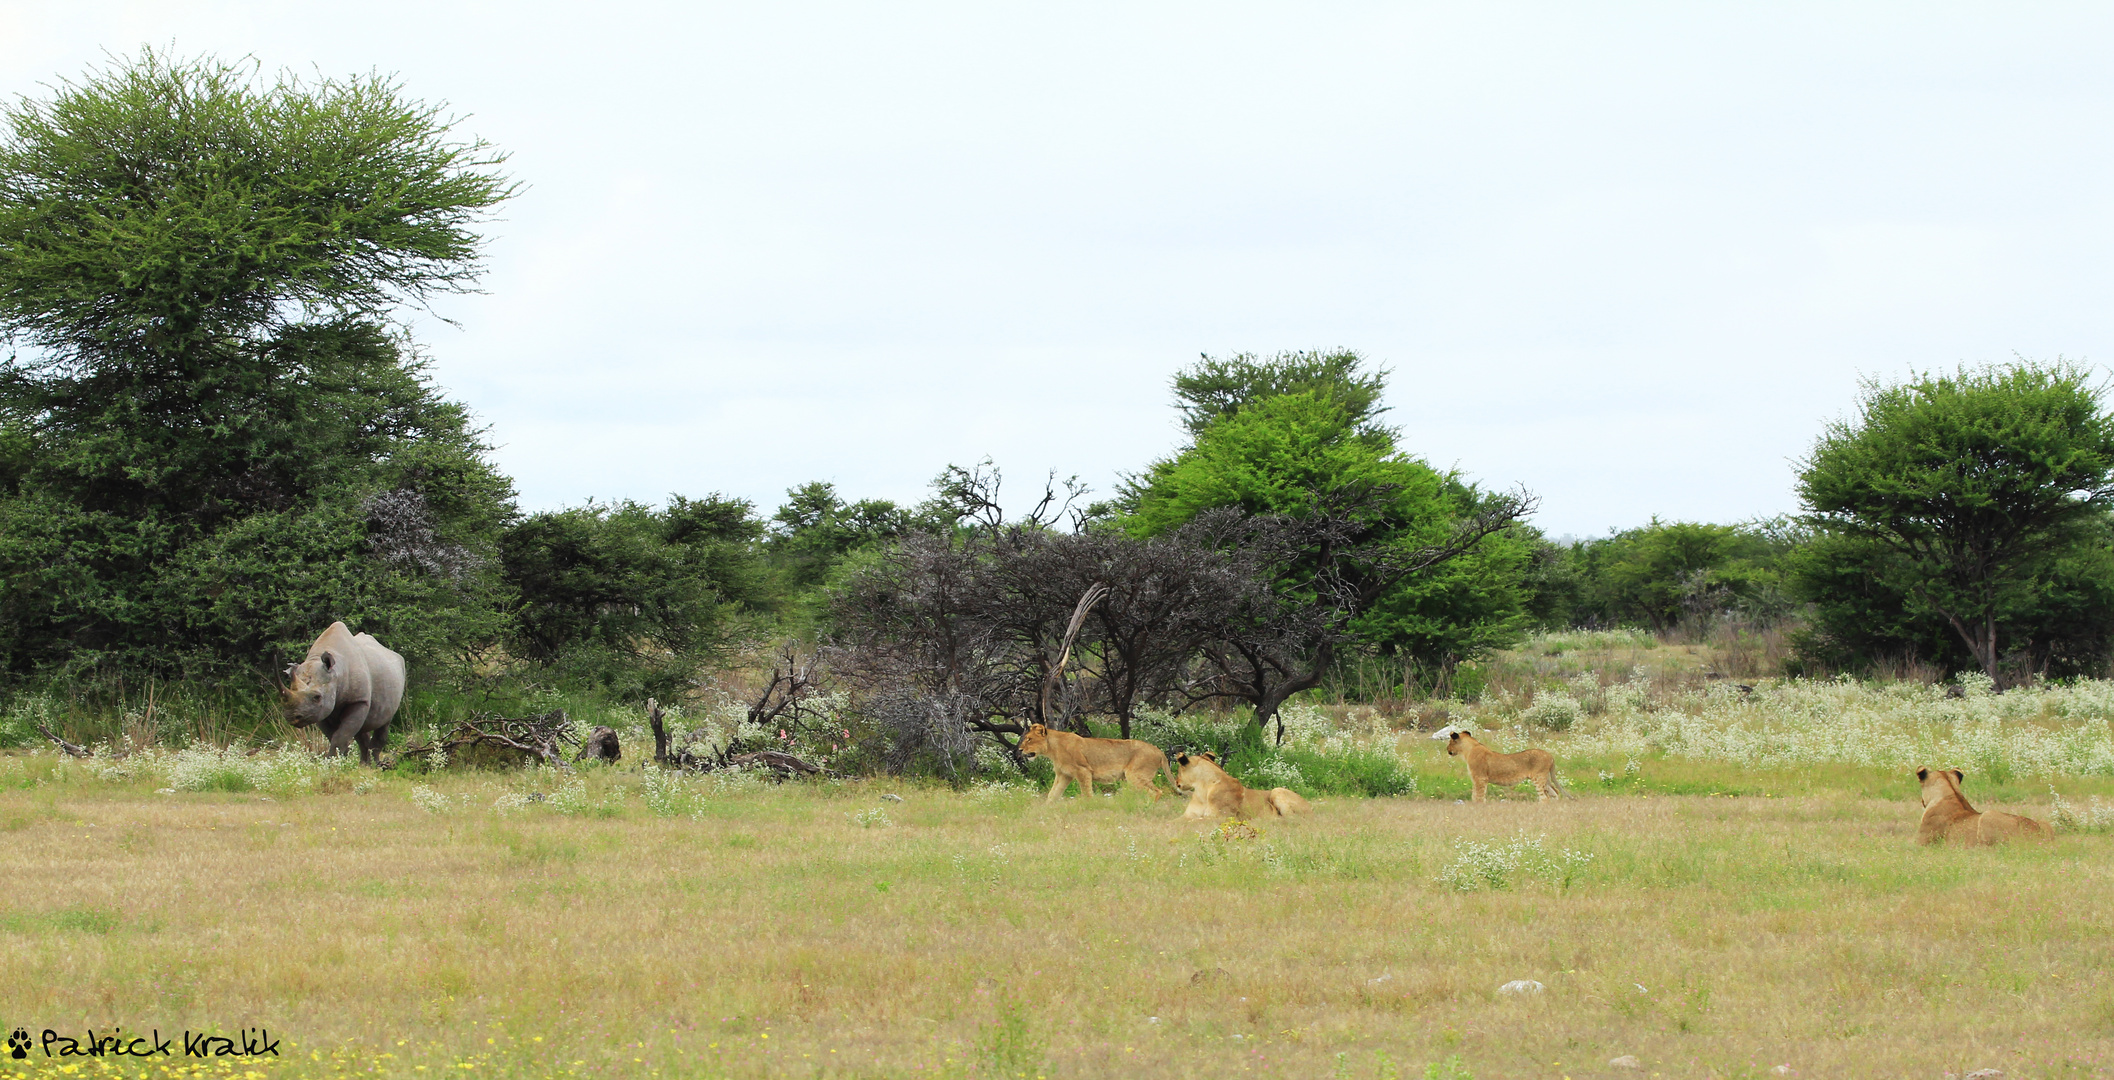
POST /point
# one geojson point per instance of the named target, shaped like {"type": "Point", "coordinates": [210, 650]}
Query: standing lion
{"type": "Point", "coordinates": [1487, 766]}
{"type": "Point", "coordinates": [1084, 760]}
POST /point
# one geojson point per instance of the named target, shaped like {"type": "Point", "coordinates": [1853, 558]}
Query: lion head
{"type": "Point", "coordinates": [1194, 769]}
{"type": "Point", "coordinates": [1036, 741]}
{"type": "Point", "coordinates": [1935, 786]}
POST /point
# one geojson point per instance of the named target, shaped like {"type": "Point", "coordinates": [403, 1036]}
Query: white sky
{"type": "Point", "coordinates": [1630, 256]}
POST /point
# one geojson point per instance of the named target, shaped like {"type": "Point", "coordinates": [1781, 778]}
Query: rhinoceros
{"type": "Point", "coordinates": [348, 687]}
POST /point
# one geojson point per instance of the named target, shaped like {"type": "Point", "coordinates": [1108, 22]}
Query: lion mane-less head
{"type": "Point", "coordinates": [1938, 788]}
{"type": "Point", "coordinates": [1454, 737]}
{"type": "Point", "coordinates": [1182, 758]}
{"type": "Point", "coordinates": [1036, 741]}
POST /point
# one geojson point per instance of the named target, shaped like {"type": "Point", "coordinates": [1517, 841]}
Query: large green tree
{"type": "Point", "coordinates": [632, 600]}
{"type": "Point", "coordinates": [214, 443]}
{"type": "Point", "coordinates": [1359, 537]}
{"type": "Point", "coordinates": [1968, 493]}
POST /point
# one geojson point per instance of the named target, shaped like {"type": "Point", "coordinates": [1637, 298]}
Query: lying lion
{"type": "Point", "coordinates": [1487, 766]}
{"type": "Point", "coordinates": [1082, 759]}
{"type": "Point", "coordinates": [1213, 792]}
{"type": "Point", "coordinates": [1948, 816]}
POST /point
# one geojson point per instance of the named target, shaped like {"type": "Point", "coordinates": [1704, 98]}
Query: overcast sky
{"type": "Point", "coordinates": [1629, 256]}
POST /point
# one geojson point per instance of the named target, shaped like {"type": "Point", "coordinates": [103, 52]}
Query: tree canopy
{"type": "Point", "coordinates": [214, 442]}
{"type": "Point", "coordinates": [1354, 534]}
{"type": "Point", "coordinates": [1968, 490]}
{"type": "Point", "coordinates": [165, 205]}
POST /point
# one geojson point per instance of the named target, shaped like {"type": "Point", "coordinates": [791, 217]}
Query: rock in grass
{"type": "Point", "coordinates": [1626, 1061]}
{"type": "Point", "coordinates": [1521, 986]}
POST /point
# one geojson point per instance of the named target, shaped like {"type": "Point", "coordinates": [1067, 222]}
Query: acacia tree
{"type": "Point", "coordinates": [215, 441]}
{"type": "Point", "coordinates": [1336, 517]}
{"type": "Point", "coordinates": [1974, 486]}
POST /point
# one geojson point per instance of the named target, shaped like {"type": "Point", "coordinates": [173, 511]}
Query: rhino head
{"type": "Point", "coordinates": [312, 691]}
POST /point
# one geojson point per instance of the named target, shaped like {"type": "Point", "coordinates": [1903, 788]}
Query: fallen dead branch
{"type": "Point", "coordinates": [543, 737]}
{"type": "Point", "coordinates": [75, 749]}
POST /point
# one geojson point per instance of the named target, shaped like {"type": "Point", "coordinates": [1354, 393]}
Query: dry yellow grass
{"type": "Point", "coordinates": [775, 934]}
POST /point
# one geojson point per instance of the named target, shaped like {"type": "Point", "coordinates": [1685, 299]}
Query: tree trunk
{"type": "Point", "coordinates": [660, 732]}
{"type": "Point", "coordinates": [1981, 640]}
{"type": "Point", "coordinates": [1268, 703]}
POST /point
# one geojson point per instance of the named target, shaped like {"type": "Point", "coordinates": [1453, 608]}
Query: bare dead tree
{"type": "Point", "coordinates": [972, 495]}
{"type": "Point", "coordinates": [1093, 595]}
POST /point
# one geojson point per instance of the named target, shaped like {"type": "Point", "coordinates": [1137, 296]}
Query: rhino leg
{"type": "Point", "coordinates": [350, 723]}
{"type": "Point", "coordinates": [370, 746]}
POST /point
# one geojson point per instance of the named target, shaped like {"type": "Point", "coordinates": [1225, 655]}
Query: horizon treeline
{"type": "Point", "coordinates": [215, 439]}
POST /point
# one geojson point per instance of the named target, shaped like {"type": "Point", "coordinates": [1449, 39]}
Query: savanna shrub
{"type": "Point", "coordinates": [1553, 711]}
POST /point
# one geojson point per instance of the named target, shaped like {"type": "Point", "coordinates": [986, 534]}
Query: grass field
{"type": "Point", "coordinates": [1707, 920]}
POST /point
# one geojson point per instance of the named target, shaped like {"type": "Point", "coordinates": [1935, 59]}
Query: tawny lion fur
{"type": "Point", "coordinates": [1948, 816]}
{"type": "Point", "coordinates": [1213, 792]}
{"type": "Point", "coordinates": [1487, 766]}
{"type": "Point", "coordinates": [1082, 759]}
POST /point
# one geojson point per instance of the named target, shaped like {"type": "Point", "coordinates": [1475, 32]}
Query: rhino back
{"type": "Point", "coordinates": [385, 672]}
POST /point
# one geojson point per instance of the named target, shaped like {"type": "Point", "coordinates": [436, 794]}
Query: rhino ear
{"type": "Point", "coordinates": [330, 660]}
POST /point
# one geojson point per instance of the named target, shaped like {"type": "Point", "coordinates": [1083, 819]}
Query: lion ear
{"type": "Point", "coordinates": [1958, 776]}
{"type": "Point", "coordinates": [1181, 758]}
{"type": "Point", "coordinates": [1922, 774]}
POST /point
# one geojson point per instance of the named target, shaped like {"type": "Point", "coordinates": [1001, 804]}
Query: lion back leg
{"type": "Point", "coordinates": [1140, 775]}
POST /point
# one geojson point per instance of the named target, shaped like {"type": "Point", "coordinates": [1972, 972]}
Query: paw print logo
{"type": "Point", "coordinates": [18, 1044]}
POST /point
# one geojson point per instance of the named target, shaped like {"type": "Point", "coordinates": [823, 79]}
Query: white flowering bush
{"type": "Point", "coordinates": [1554, 711]}
{"type": "Point", "coordinates": [876, 818]}
{"type": "Point", "coordinates": [1305, 723]}
{"type": "Point", "coordinates": [670, 792]}
{"type": "Point", "coordinates": [1477, 865]}
{"type": "Point", "coordinates": [2094, 816]}
{"type": "Point", "coordinates": [283, 770]}
{"type": "Point", "coordinates": [1276, 772]}
{"type": "Point", "coordinates": [18, 725]}
{"type": "Point", "coordinates": [429, 800]}
{"type": "Point", "coordinates": [571, 798]}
